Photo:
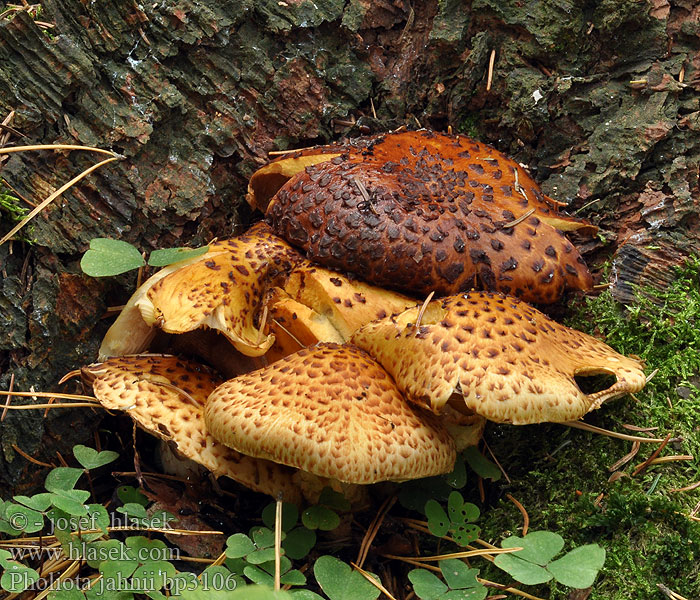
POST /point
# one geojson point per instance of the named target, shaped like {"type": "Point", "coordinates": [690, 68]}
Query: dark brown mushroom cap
{"type": "Point", "coordinates": [334, 412]}
{"type": "Point", "coordinates": [223, 289]}
{"type": "Point", "coordinates": [265, 182]}
{"type": "Point", "coordinates": [422, 212]}
{"type": "Point", "coordinates": [510, 362]}
{"type": "Point", "coordinates": [165, 396]}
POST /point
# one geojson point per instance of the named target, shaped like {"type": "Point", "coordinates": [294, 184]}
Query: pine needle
{"type": "Point", "coordinates": [373, 581]}
{"type": "Point", "coordinates": [58, 192]}
{"type": "Point", "coordinates": [614, 434]}
{"type": "Point", "coordinates": [520, 219]}
{"type": "Point", "coordinates": [421, 312]}
{"type": "Point", "coordinates": [521, 508]}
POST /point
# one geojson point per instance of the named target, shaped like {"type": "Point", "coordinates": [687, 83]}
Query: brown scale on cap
{"type": "Point", "coordinates": [166, 396]}
{"type": "Point", "coordinates": [334, 412]}
{"type": "Point", "coordinates": [265, 182]}
{"type": "Point", "coordinates": [509, 362]}
{"type": "Point", "coordinates": [421, 212]}
{"type": "Point", "coordinates": [223, 289]}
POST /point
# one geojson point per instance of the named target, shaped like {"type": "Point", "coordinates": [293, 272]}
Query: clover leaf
{"type": "Point", "coordinates": [107, 257]}
{"type": "Point", "coordinates": [533, 564]}
{"type": "Point", "coordinates": [340, 582]}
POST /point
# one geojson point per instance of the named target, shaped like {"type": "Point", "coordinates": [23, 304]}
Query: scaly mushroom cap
{"type": "Point", "coordinates": [130, 334]}
{"type": "Point", "coordinates": [348, 303]}
{"type": "Point", "coordinates": [223, 289]}
{"type": "Point", "coordinates": [318, 305]}
{"type": "Point", "coordinates": [165, 396]}
{"type": "Point", "coordinates": [295, 326]}
{"type": "Point", "coordinates": [267, 180]}
{"type": "Point", "coordinates": [421, 211]}
{"type": "Point", "coordinates": [331, 411]}
{"type": "Point", "coordinates": [510, 362]}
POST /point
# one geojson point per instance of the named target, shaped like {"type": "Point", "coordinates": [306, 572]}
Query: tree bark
{"type": "Point", "coordinates": [194, 94]}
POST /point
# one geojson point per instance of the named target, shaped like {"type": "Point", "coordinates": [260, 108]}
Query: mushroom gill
{"type": "Point", "coordinates": [331, 411]}
{"type": "Point", "coordinates": [421, 211]}
{"type": "Point", "coordinates": [510, 362]}
{"type": "Point", "coordinates": [165, 396]}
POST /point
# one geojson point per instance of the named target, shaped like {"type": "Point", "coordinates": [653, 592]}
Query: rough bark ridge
{"type": "Point", "coordinates": [194, 95]}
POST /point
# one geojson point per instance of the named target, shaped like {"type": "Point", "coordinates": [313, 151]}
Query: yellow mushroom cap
{"type": "Point", "coordinates": [318, 305]}
{"type": "Point", "coordinates": [130, 334]}
{"type": "Point", "coordinates": [334, 412]}
{"type": "Point", "coordinates": [294, 326]}
{"type": "Point", "coordinates": [509, 362]}
{"type": "Point", "coordinates": [223, 289]}
{"type": "Point", "coordinates": [348, 303]}
{"type": "Point", "coordinates": [165, 396]}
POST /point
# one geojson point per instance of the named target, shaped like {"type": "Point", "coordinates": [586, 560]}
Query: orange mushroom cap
{"type": "Point", "coordinates": [165, 395]}
{"type": "Point", "coordinates": [223, 289]}
{"type": "Point", "coordinates": [421, 212]}
{"type": "Point", "coordinates": [334, 412]}
{"type": "Point", "coordinates": [509, 362]}
{"type": "Point", "coordinates": [318, 305]}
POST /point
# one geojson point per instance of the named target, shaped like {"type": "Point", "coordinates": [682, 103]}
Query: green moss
{"type": "Point", "coordinates": [663, 329]}
{"type": "Point", "coordinates": [11, 209]}
{"type": "Point", "coordinates": [561, 475]}
{"type": "Point", "coordinates": [470, 125]}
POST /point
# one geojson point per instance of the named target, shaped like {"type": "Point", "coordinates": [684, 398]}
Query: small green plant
{"type": "Point", "coordinates": [11, 207]}
{"type": "Point", "coordinates": [533, 564]}
{"type": "Point", "coordinates": [340, 582]}
{"type": "Point", "coordinates": [460, 582]}
{"type": "Point", "coordinates": [108, 257]}
{"type": "Point", "coordinates": [136, 564]}
{"type": "Point", "coordinates": [414, 494]}
{"type": "Point", "coordinates": [481, 465]}
{"type": "Point", "coordinates": [253, 555]}
{"type": "Point", "coordinates": [458, 521]}
{"type": "Point", "coordinates": [323, 515]}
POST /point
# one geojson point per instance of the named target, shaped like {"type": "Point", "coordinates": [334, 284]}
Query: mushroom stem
{"type": "Point", "coordinates": [614, 434]}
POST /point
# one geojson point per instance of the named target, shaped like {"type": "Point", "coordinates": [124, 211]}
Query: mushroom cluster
{"type": "Point", "coordinates": [344, 376]}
